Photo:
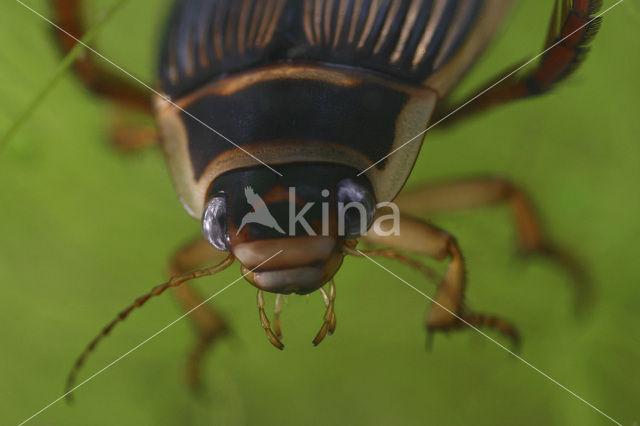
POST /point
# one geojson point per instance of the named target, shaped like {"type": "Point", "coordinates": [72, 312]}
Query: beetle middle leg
{"type": "Point", "coordinates": [125, 134]}
{"type": "Point", "coordinates": [531, 238]}
{"type": "Point", "coordinates": [209, 324]}
{"type": "Point", "coordinates": [69, 15]}
{"type": "Point", "coordinates": [448, 311]}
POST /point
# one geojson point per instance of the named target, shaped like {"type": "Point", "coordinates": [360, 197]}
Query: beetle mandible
{"type": "Point", "coordinates": [256, 98]}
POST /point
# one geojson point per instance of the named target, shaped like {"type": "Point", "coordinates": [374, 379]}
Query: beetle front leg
{"type": "Point", "coordinates": [209, 324]}
{"type": "Point", "coordinates": [447, 312]}
{"type": "Point", "coordinates": [531, 238]}
{"type": "Point", "coordinates": [69, 15]}
{"type": "Point", "coordinates": [572, 27]}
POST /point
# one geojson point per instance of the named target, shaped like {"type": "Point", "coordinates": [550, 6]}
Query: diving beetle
{"type": "Point", "coordinates": [259, 99]}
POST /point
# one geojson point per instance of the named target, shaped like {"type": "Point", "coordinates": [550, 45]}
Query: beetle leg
{"type": "Point", "coordinates": [209, 324]}
{"type": "Point", "coordinates": [264, 321]}
{"type": "Point", "coordinates": [329, 320]}
{"type": "Point", "coordinates": [447, 311]}
{"type": "Point", "coordinates": [69, 15]}
{"type": "Point", "coordinates": [133, 139]}
{"type": "Point", "coordinates": [531, 237]}
{"type": "Point", "coordinates": [574, 23]}
{"type": "Point", "coordinates": [129, 136]}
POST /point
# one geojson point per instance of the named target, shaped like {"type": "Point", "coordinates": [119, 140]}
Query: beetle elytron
{"type": "Point", "coordinates": [257, 96]}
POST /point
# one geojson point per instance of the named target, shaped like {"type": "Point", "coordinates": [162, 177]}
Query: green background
{"type": "Point", "coordinates": [85, 229]}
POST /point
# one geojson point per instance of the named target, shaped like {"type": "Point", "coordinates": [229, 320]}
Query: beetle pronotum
{"type": "Point", "coordinates": [318, 91]}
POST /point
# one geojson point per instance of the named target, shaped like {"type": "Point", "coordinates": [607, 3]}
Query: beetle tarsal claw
{"type": "Point", "coordinates": [266, 324]}
{"type": "Point", "coordinates": [329, 323]}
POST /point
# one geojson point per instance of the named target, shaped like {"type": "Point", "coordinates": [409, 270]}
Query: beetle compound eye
{"type": "Point", "coordinates": [356, 208]}
{"type": "Point", "coordinates": [214, 223]}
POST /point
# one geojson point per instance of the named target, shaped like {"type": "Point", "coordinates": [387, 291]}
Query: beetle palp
{"type": "Point", "coordinates": [329, 323]}
{"type": "Point", "coordinates": [264, 321]}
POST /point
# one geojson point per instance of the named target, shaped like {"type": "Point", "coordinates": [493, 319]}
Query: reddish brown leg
{"type": "Point", "coordinates": [573, 20]}
{"type": "Point", "coordinates": [464, 194]}
{"type": "Point", "coordinates": [209, 325]}
{"type": "Point", "coordinates": [447, 311]}
{"type": "Point", "coordinates": [69, 15]}
{"type": "Point", "coordinates": [130, 137]}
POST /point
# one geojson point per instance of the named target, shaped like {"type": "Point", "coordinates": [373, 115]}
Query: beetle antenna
{"type": "Point", "coordinates": [156, 291]}
{"type": "Point", "coordinates": [394, 255]}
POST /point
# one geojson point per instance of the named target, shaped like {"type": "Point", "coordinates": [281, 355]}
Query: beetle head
{"type": "Point", "coordinates": [307, 213]}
